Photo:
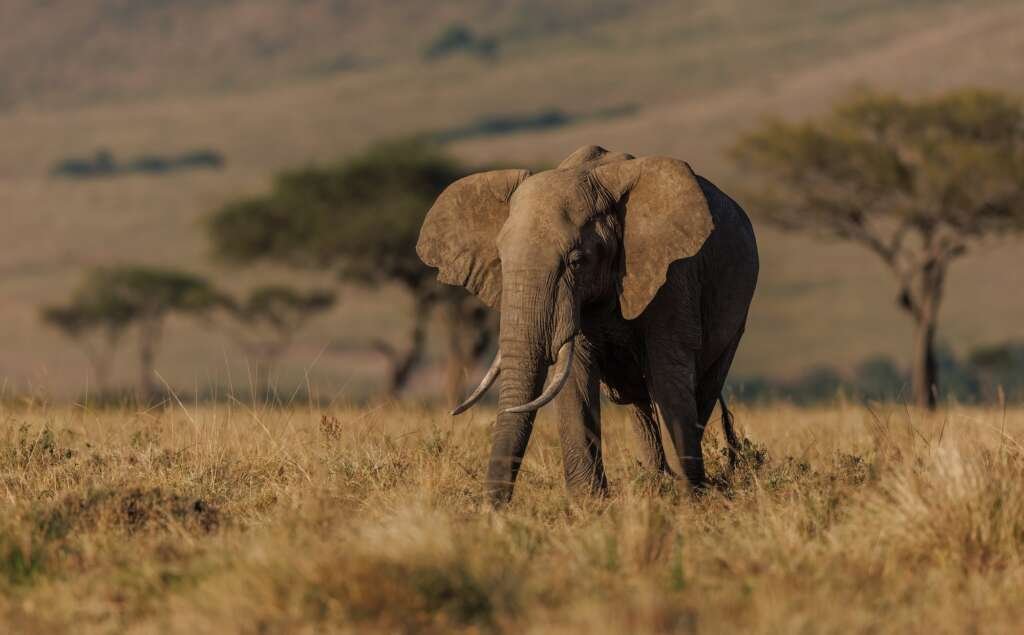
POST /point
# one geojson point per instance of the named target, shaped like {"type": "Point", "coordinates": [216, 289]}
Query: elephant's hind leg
{"type": "Point", "coordinates": [579, 426]}
{"type": "Point", "coordinates": [648, 436]}
{"type": "Point", "coordinates": [709, 392]}
{"type": "Point", "coordinates": [673, 388]}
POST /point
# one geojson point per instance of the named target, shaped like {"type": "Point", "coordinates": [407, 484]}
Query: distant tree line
{"type": "Point", "coordinates": [457, 38]}
{"type": "Point", "coordinates": [103, 164]}
{"type": "Point", "coordinates": [987, 375]}
{"type": "Point", "coordinates": [112, 301]}
{"type": "Point", "coordinates": [917, 183]}
{"type": "Point", "coordinates": [511, 123]}
{"type": "Point", "coordinates": [358, 218]}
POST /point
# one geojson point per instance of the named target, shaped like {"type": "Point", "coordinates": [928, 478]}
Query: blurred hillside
{"type": "Point", "coordinates": [96, 50]}
{"type": "Point", "coordinates": [270, 85]}
{"type": "Point", "coordinates": [66, 54]}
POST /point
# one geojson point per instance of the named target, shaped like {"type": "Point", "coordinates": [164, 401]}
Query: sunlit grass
{"type": "Point", "coordinates": [226, 519]}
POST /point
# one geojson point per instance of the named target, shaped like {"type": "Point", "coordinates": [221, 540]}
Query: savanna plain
{"type": "Point", "coordinates": [217, 516]}
{"type": "Point", "coordinates": [847, 518]}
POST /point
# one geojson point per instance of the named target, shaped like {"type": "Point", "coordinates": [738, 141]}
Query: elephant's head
{"type": "Point", "coordinates": [601, 227]}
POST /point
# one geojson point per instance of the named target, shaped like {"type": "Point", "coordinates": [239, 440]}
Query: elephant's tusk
{"type": "Point", "coordinates": [563, 367]}
{"type": "Point", "coordinates": [485, 383]}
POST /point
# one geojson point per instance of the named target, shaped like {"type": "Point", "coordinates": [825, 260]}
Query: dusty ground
{"type": "Point", "coordinates": [225, 519]}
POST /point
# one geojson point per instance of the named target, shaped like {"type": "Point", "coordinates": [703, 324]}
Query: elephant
{"type": "Point", "coordinates": [631, 275]}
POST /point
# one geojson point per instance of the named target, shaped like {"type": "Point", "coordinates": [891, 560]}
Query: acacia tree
{"type": "Point", "coordinates": [147, 296]}
{"type": "Point", "coordinates": [269, 318]}
{"type": "Point", "coordinates": [915, 182]}
{"type": "Point", "coordinates": [95, 327]}
{"type": "Point", "coordinates": [361, 218]}
{"type": "Point", "coordinates": [110, 300]}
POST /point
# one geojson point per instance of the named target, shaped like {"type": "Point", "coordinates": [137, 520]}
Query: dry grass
{"type": "Point", "coordinates": [229, 520]}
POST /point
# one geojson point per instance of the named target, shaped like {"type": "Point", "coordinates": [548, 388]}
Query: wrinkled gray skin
{"type": "Point", "coordinates": [646, 267]}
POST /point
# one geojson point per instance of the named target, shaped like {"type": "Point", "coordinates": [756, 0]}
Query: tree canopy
{"type": "Point", "coordinates": [95, 322]}
{"type": "Point", "coordinates": [281, 307]}
{"type": "Point", "coordinates": [361, 216]}
{"type": "Point", "coordinates": [114, 298]}
{"type": "Point", "coordinates": [147, 292]}
{"type": "Point", "coordinates": [886, 172]}
{"type": "Point", "coordinates": [916, 182]}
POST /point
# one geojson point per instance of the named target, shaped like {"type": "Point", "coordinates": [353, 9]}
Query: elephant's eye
{"type": "Point", "coordinates": [575, 259]}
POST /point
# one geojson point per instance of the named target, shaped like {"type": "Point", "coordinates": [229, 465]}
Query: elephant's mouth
{"type": "Point", "coordinates": [563, 368]}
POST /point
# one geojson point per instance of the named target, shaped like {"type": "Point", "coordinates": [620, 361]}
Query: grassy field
{"type": "Point", "coordinates": [220, 518]}
{"type": "Point", "coordinates": [249, 81]}
{"type": "Point", "coordinates": [841, 519]}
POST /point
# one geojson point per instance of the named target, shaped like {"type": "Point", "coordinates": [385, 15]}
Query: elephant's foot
{"type": "Point", "coordinates": [692, 464]}
{"type": "Point", "coordinates": [498, 494]}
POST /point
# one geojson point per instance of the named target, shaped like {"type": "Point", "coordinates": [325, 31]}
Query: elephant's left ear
{"type": "Point", "coordinates": [665, 218]}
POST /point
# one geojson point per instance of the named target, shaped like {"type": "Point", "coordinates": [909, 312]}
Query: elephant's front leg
{"type": "Point", "coordinates": [673, 387]}
{"type": "Point", "coordinates": [579, 425]}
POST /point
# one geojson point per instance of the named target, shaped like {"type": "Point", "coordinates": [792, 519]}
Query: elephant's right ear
{"type": "Point", "coordinates": [459, 231]}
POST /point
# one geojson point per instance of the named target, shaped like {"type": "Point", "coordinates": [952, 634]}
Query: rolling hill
{"type": "Point", "coordinates": [271, 85]}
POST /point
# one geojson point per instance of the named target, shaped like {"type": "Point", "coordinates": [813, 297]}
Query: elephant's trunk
{"type": "Point", "coordinates": [563, 368]}
{"type": "Point", "coordinates": [520, 381]}
{"type": "Point", "coordinates": [527, 319]}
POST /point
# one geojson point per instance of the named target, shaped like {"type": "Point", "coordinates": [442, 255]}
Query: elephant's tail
{"type": "Point", "coordinates": [730, 433]}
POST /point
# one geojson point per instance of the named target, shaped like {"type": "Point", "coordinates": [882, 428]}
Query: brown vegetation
{"type": "Point", "coordinates": [227, 519]}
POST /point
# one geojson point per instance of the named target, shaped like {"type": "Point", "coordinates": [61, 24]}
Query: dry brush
{"type": "Point", "coordinates": [351, 520]}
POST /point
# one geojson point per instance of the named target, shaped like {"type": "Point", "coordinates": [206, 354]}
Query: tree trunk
{"type": "Point", "coordinates": [101, 364]}
{"type": "Point", "coordinates": [100, 354]}
{"type": "Point", "coordinates": [149, 340]}
{"type": "Point", "coordinates": [100, 360]}
{"type": "Point", "coordinates": [921, 297]}
{"type": "Point", "coordinates": [924, 370]}
{"type": "Point", "coordinates": [403, 364]}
